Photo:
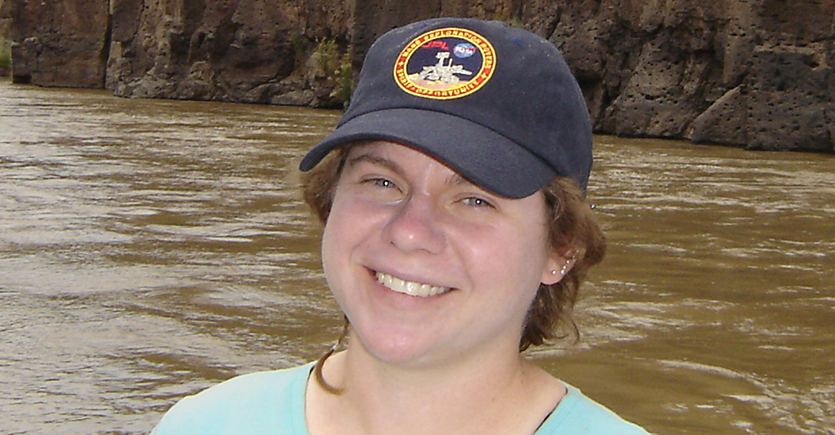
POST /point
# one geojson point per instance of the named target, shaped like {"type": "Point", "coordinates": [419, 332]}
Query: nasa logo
{"type": "Point", "coordinates": [428, 68]}
{"type": "Point", "coordinates": [464, 50]}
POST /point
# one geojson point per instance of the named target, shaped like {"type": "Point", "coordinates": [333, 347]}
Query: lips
{"type": "Point", "coordinates": [409, 287]}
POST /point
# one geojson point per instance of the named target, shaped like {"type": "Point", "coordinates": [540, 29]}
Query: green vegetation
{"type": "Point", "coordinates": [517, 23]}
{"type": "Point", "coordinates": [335, 66]}
{"type": "Point", "coordinates": [298, 42]}
{"type": "Point", "coordinates": [344, 80]}
{"type": "Point", "coordinates": [5, 56]}
{"type": "Point", "coordinates": [327, 56]}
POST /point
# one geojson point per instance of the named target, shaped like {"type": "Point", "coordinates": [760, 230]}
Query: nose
{"type": "Point", "coordinates": [415, 226]}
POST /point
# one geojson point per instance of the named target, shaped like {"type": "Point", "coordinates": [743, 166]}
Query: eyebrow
{"type": "Point", "coordinates": [376, 160]}
{"type": "Point", "coordinates": [454, 180]}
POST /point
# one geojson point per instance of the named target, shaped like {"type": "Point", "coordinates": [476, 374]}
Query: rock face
{"type": "Point", "coordinates": [58, 43]}
{"type": "Point", "coordinates": [755, 73]}
{"type": "Point", "coordinates": [257, 51]}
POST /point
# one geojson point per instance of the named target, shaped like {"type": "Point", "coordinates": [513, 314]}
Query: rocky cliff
{"type": "Point", "coordinates": [755, 73]}
{"type": "Point", "coordinates": [58, 43]}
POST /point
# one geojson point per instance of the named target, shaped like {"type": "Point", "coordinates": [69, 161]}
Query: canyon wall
{"type": "Point", "coordinates": [58, 43]}
{"type": "Point", "coordinates": [753, 73]}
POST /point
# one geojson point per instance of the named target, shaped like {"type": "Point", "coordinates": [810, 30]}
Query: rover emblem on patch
{"type": "Point", "coordinates": [445, 63]}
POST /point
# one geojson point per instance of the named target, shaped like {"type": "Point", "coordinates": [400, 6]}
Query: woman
{"type": "Point", "coordinates": [456, 235]}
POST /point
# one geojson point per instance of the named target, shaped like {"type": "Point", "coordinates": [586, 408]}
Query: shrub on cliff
{"type": "Point", "coordinates": [5, 57]}
{"type": "Point", "coordinates": [334, 69]}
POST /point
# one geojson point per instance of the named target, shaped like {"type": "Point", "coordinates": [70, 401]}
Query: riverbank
{"type": "Point", "coordinates": [751, 74]}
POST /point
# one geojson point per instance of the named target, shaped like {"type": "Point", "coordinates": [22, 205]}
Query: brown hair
{"type": "Point", "coordinates": [572, 231]}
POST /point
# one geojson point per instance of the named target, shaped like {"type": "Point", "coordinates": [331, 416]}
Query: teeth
{"type": "Point", "coordinates": [408, 287]}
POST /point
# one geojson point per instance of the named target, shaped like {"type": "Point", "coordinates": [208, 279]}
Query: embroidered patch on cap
{"type": "Point", "coordinates": [445, 63]}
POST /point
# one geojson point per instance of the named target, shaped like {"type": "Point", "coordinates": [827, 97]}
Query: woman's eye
{"type": "Point", "coordinates": [381, 182]}
{"type": "Point", "coordinates": [476, 202]}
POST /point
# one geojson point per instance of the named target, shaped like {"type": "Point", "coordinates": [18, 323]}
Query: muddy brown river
{"type": "Point", "coordinates": [151, 248]}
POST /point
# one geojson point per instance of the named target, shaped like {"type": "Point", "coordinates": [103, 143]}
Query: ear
{"type": "Point", "coordinates": [557, 266]}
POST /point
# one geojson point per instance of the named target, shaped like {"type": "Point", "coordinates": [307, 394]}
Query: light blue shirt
{"type": "Point", "coordinates": [273, 403]}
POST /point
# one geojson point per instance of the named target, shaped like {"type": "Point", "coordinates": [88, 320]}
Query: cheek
{"type": "Point", "coordinates": [335, 252]}
{"type": "Point", "coordinates": [513, 259]}
{"type": "Point", "coordinates": [351, 224]}
{"type": "Point", "coordinates": [334, 235]}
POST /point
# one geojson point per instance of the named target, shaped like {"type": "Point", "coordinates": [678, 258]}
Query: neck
{"type": "Point", "coordinates": [502, 393]}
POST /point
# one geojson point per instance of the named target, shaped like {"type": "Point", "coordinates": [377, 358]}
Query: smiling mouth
{"type": "Point", "coordinates": [408, 287]}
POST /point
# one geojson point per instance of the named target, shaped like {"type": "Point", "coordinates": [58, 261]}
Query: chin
{"type": "Point", "coordinates": [396, 349]}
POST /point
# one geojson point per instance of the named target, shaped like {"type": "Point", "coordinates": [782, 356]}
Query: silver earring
{"type": "Point", "coordinates": [553, 272]}
{"type": "Point", "coordinates": [564, 269]}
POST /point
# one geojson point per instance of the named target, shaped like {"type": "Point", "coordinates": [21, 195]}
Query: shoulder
{"type": "Point", "coordinates": [246, 404]}
{"type": "Point", "coordinates": [578, 415]}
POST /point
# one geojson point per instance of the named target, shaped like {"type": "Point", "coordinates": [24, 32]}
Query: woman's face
{"type": "Point", "coordinates": [426, 265]}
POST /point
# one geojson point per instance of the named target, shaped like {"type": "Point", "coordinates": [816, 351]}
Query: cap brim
{"type": "Point", "coordinates": [482, 156]}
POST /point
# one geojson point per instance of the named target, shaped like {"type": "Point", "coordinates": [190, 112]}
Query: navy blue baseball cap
{"type": "Point", "coordinates": [495, 103]}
